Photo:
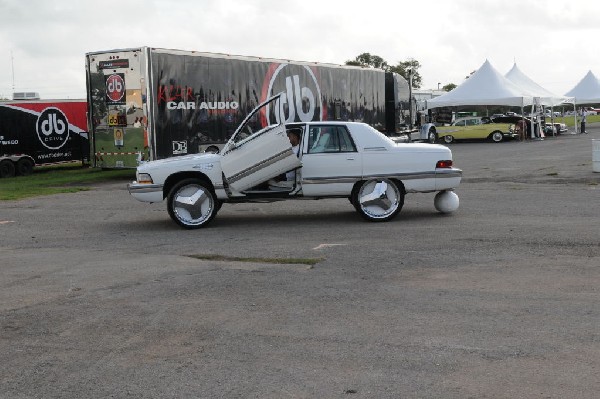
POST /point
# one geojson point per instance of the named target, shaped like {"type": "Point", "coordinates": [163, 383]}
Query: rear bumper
{"type": "Point", "coordinates": [447, 179]}
{"type": "Point", "coordinates": [146, 192]}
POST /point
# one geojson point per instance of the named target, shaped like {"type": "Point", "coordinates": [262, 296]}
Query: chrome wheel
{"type": "Point", "coordinates": [191, 204]}
{"type": "Point", "coordinates": [432, 137]}
{"type": "Point", "coordinates": [378, 200]}
{"type": "Point", "coordinates": [497, 137]}
{"type": "Point", "coordinates": [448, 139]}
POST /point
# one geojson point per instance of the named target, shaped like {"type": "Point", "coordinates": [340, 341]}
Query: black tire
{"type": "Point", "coordinates": [7, 168]}
{"type": "Point", "coordinates": [432, 136]}
{"type": "Point", "coordinates": [497, 136]}
{"type": "Point", "coordinates": [378, 200]}
{"type": "Point", "coordinates": [25, 167]}
{"type": "Point", "coordinates": [448, 139]}
{"type": "Point", "coordinates": [192, 203]}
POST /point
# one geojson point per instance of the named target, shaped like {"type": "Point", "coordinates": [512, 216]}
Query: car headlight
{"type": "Point", "coordinates": [144, 178]}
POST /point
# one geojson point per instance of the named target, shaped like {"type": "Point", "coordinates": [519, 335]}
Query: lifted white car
{"type": "Point", "coordinates": [335, 159]}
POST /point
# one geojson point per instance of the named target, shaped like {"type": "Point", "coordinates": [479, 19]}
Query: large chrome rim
{"type": "Point", "coordinates": [193, 204]}
{"type": "Point", "coordinates": [379, 199]}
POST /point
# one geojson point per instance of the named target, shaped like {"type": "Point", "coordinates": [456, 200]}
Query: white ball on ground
{"type": "Point", "coordinates": [446, 201]}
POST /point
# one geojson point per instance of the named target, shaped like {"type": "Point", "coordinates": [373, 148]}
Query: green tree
{"type": "Point", "coordinates": [369, 60]}
{"type": "Point", "coordinates": [403, 68]}
{"type": "Point", "coordinates": [449, 87]}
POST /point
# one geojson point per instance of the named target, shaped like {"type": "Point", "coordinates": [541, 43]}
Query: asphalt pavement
{"type": "Point", "coordinates": [102, 296]}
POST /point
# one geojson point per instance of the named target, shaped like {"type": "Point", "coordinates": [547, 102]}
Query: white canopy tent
{"type": "Point", "coordinates": [587, 91]}
{"type": "Point", "coordinates": [485, 87]}
{"type": "Point", "coordinates": [541, 96]}
{"type": "Point", "coordinates": [530, 87]}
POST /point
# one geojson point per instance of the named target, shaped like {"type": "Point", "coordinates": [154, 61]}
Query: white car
{"type": "Point", "coordinates": [336, 159]}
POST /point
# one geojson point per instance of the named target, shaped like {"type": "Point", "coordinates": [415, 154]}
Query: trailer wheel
{"type": "Point", "coordinates": [7, 168]}
{"type": "Point", "coordinates": [25, 166]}
{"type": "Point", "coordinates": [192, 203]}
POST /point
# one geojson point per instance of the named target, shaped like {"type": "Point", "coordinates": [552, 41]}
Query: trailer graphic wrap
{"type": "Point", "coordinates": [201, 100]}
{"type": "Point", "coordinates": [115, 89]}
{"type": "Point", "coordinates": [183, 102]}
{"type": "Point", "coordinates": [117, 120]}
{"type": "Point", "coordinates": [52, 128]}
{"type": "Point", "coordinates": [47, 131]}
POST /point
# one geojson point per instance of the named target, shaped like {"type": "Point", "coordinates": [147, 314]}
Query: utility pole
{"type": "Point", "coordinates": [12, 64]}
{"type": "Point", "coordinates": [410, 101]}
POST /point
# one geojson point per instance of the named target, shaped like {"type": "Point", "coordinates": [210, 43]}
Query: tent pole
{"type": "Point", "coordinates": [575, 114]}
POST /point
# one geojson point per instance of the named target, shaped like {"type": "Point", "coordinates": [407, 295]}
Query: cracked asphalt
{"type": "Point", "coordinates": [101, 296]}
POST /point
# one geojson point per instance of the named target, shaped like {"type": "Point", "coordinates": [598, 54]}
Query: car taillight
{"type": "Point", "coordinates": [443, 164]}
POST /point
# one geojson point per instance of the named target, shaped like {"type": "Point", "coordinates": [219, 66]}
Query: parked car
{"type": "Point", "coordinates": [551, 114]}
{"type": "Point", "coordinates": [336, 159]}
{"type": "Point", "coordinates": [474, 128]}
{"type": "Point", "coordinates": [554, 128]}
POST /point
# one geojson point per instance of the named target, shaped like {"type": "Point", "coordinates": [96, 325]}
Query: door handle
{"type": "Point", "coordinates": [350, 159]}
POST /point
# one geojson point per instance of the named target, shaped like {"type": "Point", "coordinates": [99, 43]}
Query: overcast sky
{"type": "Point", "coordinates": [555, 43]}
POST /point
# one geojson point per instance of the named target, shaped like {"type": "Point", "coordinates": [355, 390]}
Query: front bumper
{"type": "Point", "coordinates": [146, 192]}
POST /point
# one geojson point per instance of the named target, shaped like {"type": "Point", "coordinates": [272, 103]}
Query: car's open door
{"type": "Point", "coordinates": [257, 151]}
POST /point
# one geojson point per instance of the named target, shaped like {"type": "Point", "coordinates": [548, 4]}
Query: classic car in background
{"type": "Point", "coordinates": [335, 160]}
{"type": "Point", "coordinates": [471, 128]}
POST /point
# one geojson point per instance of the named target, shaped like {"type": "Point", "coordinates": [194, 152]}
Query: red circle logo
{"type": "Point", "coordinates": [115, 88]}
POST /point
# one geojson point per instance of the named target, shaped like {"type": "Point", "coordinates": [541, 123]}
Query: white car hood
{"type": "Point", "coordinates": [180, 162]}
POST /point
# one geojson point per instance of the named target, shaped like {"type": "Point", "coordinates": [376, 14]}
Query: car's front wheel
{"type": "Point", "coordinates": [448, 139]}
{"type": "Point", "coordinates": [497, 136]}
{"type": "Point", "coordinates": [192, 203]}
{"type": "Point", "coordinates": [432, 136]}
{"type": "Point", "coordinates": [378, 200]}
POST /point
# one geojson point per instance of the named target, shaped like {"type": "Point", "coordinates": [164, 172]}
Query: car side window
{"type": "Point", "coordinates": [328, 139]}
{"type": "Point", "coordinates": [460, 123]}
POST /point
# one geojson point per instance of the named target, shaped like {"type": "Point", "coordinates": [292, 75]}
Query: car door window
{"type": "Point", "coordinates": [329, 139]}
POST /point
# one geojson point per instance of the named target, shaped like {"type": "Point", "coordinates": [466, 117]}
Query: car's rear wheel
{"type": "Point", "coordinates": [192, 203]}
{"type": "Point", "coordinates": [378, 200]}
{"type": "Point", "coordinates": [448, 139]}
{"type": "Point", "coordinates": [497, 136]}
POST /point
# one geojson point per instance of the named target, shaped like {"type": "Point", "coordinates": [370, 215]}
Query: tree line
{"type": "Point", "coordinates": [403, 68]}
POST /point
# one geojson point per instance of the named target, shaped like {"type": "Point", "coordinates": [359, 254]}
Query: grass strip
{"type": "Point", "coordinates": [279, 261]}
{"type": "Point", "coordinates": [59, 179]}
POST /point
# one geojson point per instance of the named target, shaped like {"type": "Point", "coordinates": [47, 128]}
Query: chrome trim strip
{"type": "Point", "coordinates": [261, 165]}
{"type": "Point", "coordinates": [144, 188]}
{"type": "Point", "coordinates": [439, 173]}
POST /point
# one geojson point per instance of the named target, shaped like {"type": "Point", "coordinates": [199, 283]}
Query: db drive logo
{"type": "Point", "coordinates": [52, 128]}
{"type": "Point", "coordinates": [115, 89]}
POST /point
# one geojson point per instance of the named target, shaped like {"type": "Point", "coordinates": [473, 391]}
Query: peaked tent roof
{"type": "Point", "coordinates": [533, 89]}
{"type": "Point", "coordinates": [587, 91]}
{"type": "Point", "coordinates": [485, 87]}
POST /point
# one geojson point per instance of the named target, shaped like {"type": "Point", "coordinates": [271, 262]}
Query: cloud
{"type": "Point", "coordinates": [552, 41]}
